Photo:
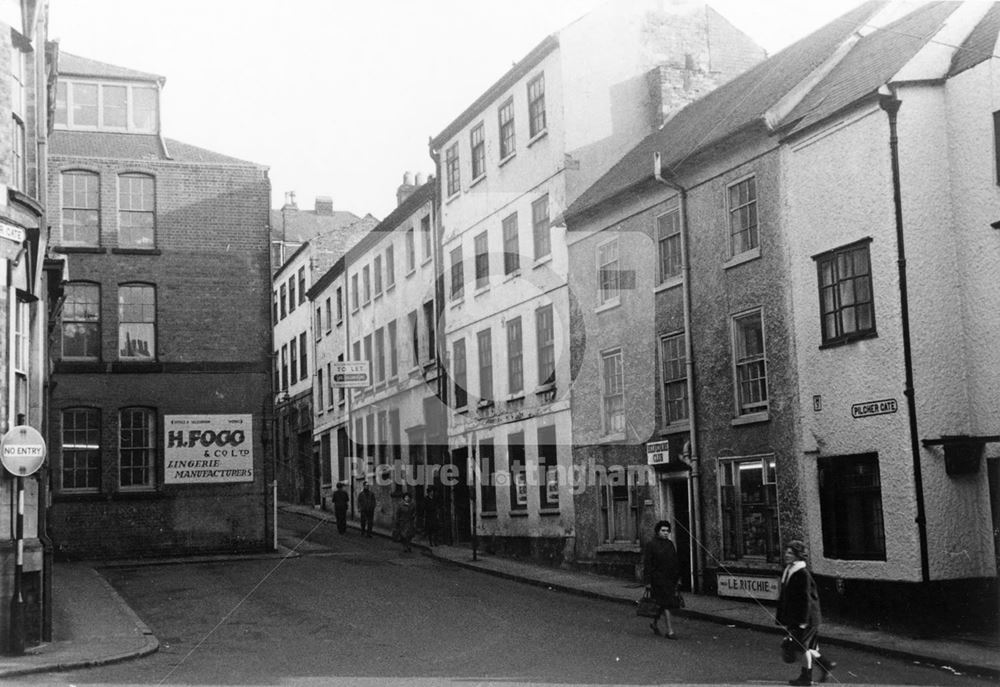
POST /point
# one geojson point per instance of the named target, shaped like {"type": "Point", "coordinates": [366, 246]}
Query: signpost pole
{"type": "Point", "coordinates": [16, 647]}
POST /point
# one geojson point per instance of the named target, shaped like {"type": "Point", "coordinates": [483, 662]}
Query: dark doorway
{"type": "Point", "coordinates": [993, 470]}
{"type": "Point", "coordinates": [461, 512]}
{"type": "Point", "coordinates": [682, 533]}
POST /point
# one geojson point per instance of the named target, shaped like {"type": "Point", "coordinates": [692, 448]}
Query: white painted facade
{"type": "Point", "coordinates": [597, 104]}
{"type": "Point", "coordinates": [840, 190]}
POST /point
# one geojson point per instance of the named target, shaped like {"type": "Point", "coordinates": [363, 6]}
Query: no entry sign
{"type": "Point", "coordinates": [22, 450]}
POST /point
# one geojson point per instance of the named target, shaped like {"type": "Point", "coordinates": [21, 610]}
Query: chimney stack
{"type": "Point", "coordinates": [324, 206]}
{"type": "Point", "coordinates": [405, 189]}
{"type": "Point", "coordinates": [290, 201]}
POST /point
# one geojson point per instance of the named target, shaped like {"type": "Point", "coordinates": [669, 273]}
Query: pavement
{"type": "Point", "coordinates": [92, 624]}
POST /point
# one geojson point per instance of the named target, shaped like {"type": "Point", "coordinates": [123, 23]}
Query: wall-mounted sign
{"type": "Point", "coordinates": [869, 408]}
{"type": "Point", "coordinates": [658, 453]}
{"type": "Point", "coordinates": [351, 375]}
{"type": "Point", "coordinates": [202, 449]}
{"type": "Point", "coordinates": [749, 586]}
{"type": "Point", "coordinates": [22, 450]}
{"type": "Point", "coordinates": [11, 233]}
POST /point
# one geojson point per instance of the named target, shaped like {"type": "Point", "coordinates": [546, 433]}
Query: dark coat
{"type": "Point", "coordinates": [798, 601]}
{"type": "Point", "coordinates": [366, 501]}
{"type": "Point", "coordinates": [661, 571]}
{"type": "Point", "coordinates": [340, 501]}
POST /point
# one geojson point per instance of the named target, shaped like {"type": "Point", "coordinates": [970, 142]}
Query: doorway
{"type": "Point", "coordinates": [675, 507]}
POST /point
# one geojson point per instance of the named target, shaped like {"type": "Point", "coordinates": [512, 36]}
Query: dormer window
{"type": "Point", "coordinates": [94, 106]}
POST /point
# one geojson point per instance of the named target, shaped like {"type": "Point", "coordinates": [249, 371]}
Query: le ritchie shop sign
{"type": "Point", "coordinates": [200, 449]}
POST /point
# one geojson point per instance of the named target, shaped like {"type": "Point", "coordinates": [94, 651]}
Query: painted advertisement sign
{"type": "Point", "coordinates": [200, 449]}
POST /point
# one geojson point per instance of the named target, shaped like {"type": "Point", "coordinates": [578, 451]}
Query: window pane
{"type": "Point", "coordinates": [114, 106]}
{"type": "Point", "coordinates": [81, 450]}
{"type": "Point", "coordinates": [137, 318]}
{"type": "Point", "coordinates": [144, 109]}
{"type": "Point", "coordinates": [85, 104]}
{"type": "Point", "coordinates": [136, 447]}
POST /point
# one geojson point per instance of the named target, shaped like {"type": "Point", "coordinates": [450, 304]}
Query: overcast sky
{"type": "Point", "coordinates": [340, 98]}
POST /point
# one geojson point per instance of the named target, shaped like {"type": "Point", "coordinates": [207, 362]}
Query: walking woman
{"type": "Point", "coordinates": [661, 572]}
{"type": "Point", "coordinates": [799, 612]}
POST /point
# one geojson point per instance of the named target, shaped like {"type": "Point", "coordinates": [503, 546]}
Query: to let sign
{"type": "Point", "coordinates": [869, 408]}
{"type": "Point", "coordinates": [346, 375]}
{"type": "Point", "coordinates": [22, 450]}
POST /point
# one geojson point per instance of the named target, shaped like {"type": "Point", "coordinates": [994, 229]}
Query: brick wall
{"type": "Point", "coordinates": [211, 271]}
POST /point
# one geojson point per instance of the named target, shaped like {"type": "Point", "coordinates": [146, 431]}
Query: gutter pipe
{"type": "Point", "coordinates": [697, 562]}
{"type": "Point", "coordinates": [890, 103]}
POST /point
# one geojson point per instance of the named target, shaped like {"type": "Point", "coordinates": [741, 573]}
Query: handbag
{"type": "Point", "coordinates": [646, 607]}
{"type": "Point", "coordinates": [789, 649]}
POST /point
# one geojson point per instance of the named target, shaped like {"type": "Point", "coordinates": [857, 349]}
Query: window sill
{"type": "Point", "coordinates": [538, 137]}
{"type": "Point", "coordinates": [477, 180]}
{"type": "Point", "coordinates": [457, 302]}
{"type": "Point", "coordinates": [484, 403]}
{"type": "Point", "coordinates": [390, 287]}
{"type": "Point", "coordinates": [426, 261]}
{"type": "Point", "coordinates": [480, 290]}
{"type": "Point", "coordinates": [507, 159]}
{"type": "Point", "coordinates": [615, 438]}
{"type": "Point", "coordinates": [610, 305]}
{"type": "Point", "coordinates": [549, 511]}
{"type": "Point", "coordinates": [79, 249]}
{"type": "Point", "coordinates": [745, 256]}
{"type": "Point", "coordinates": [848, 340]}
{"type": "Point", "coordinates": [378, 296]}
{"type": "Point", "coordinates": [411, 272]}
{"type": "Point", "coordinates": [452, 197]}
{"type": "Point", "coordinates": [675, 428]}
{"type": "Point", "coordinates": [521, 512]}
{"type": "Point", "coordinates": [544, 260]}
{"type": "Point", "coordinates": [751, 418]}
{"type": "Point", "coordinates": [136, 251]}
{"type": "Point", "coordinates": [512, 275]}
{"type": "Point", "coordinates": [517, 396]}
{"type": "Point", "coordinates": [491, 514]}
{"type": "Point", "coordinates": [669, 283]}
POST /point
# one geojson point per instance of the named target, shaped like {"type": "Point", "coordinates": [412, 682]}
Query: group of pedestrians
{"type": "Point", "coordinates": [798, 609]}
{"type": "Point", "coordinates": [404, 521]}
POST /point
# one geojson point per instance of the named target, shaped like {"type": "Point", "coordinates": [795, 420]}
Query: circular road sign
{"type": "Point", "coordinates": [22, 450]}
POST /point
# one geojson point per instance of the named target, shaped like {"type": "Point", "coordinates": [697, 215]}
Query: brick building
{"type": "Point", "coordinates": [162, 345]}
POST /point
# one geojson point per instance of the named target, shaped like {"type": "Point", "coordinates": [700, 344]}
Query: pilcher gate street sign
{"type": "Point", "coordinates": [869, 408]}
{"type": "Point", "coordinates": [351, 375]}
{"type": "Point", "coordinates": [22, 450]}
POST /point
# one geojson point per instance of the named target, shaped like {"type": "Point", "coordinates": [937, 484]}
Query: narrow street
{"type": "Point", "coordinates": [359, 611]}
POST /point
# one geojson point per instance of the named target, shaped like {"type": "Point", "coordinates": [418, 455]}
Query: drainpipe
{"type": "Point", "coordinates": [890, 103]}
{"type": "Point", "coordinates": [697, 563]}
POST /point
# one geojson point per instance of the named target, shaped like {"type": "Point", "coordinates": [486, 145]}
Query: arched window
{"type": "Point", "coordinates": [136, 448]}
{"type": "Point", "coordinates": [81, 321]}
{"type": "Point", "coordinates": [136, 322]}
{"type": "Point", "coordinates": [136, 211]}
{"type": "Point", "coordinates": [81, 214]}
{"type": "Point", "coordinates": [81, 449]}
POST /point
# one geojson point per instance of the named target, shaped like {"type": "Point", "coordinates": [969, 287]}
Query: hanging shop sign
{"type": "Point", "coordinates": [22, 450]}
{"type": "Point", "coordinates": [200, 449]}
{"type": "Point", "coordinates": [869, 408]}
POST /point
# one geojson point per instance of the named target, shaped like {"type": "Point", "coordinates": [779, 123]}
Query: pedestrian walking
{"type": "Point", "coordinates": [406, 521]}
{"type": "Point", "coordinates": [366, 505]}
{"type": "Point", "coordinates": [431, 523]}
{"type": "Point", "coordinates": [799, 613]}
{"type": "Point", "coordinates": [661, 572]}
{"type": "Point", "coordinates": [340, 501]}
